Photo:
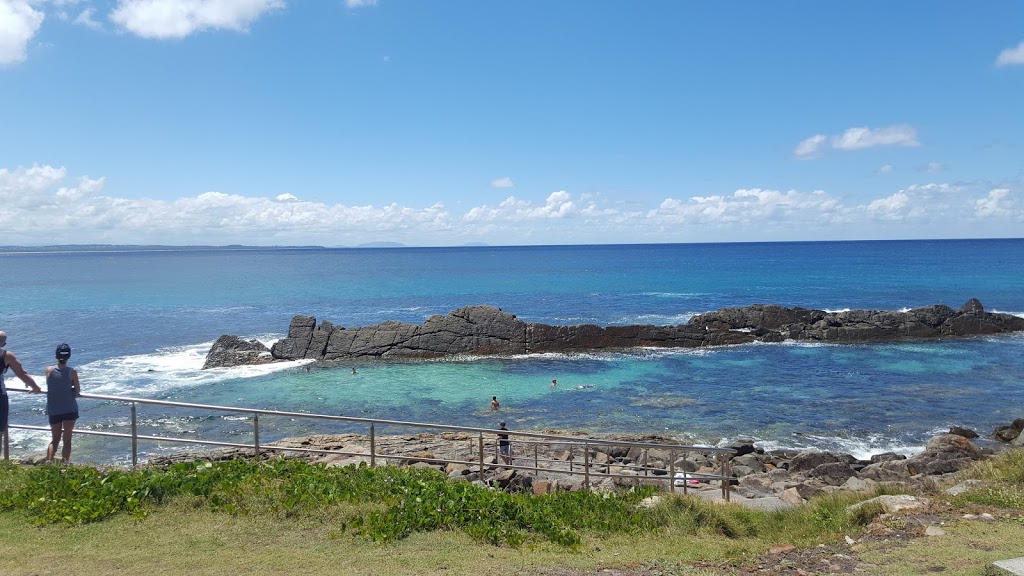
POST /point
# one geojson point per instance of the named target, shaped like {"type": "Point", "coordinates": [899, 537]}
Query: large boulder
{"type": "Point", "coordinates": [294, 346]}
{"type": "Point", "coordinates": [230, 351]}
{"type": "Point", "coordinates": [944, 454]}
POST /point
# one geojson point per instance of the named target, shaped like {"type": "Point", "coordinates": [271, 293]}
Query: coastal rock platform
{"type": "Point", "coordinates": [756, 478]}
{"type": "Point", "coordinates": [487, 330]}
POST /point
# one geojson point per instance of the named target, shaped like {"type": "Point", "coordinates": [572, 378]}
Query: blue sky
{"type": "Point", "coordinates": [440, 123]}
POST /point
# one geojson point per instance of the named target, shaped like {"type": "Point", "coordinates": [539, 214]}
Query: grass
{"type": "Point", "coordinates": [296, 518]}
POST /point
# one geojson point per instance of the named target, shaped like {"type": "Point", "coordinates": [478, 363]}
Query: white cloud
{"type": "Point", "coordinates": [890, 208]}
{"type": "Point", "coordinates": [360, 3]}
{"type": "Point", "coordinates": [1011, 56]}
{"type": "Point", "coordinates": [885, 169]}
{"type": "Point", "coordinates": [179, 18]}
{"type": "Point", "coordinates": [857, 138]}
{"type": "Point", "coordinates": [931, 168]}
{"type": "Point", "coordinates": [864, 137]}
{"type": "Point", "coordinates": [999, 203]}
{"type": "Point", "coordinates": [25, 183]}
{"type": "Point", "coordinates": [811, 147]}
{"type": "Point", "coordinates": [505, 182]}
{"type": "Point", "coordinates": [19, 22]}
{"type": "Point", "coordinates": [85, 18]}
{"type": "Point", "coordinates": [557, 205]}
{"type": "Point", "coordinates": [750, 206]}
{"type": "Point", "coordinates": [32, 196]}
{"type": "Point", "coordinates": [926, 202]}
{"type": "Point", "coordinates": [86, 187]}
{"type": "Point", "coordinates": [47, 205]}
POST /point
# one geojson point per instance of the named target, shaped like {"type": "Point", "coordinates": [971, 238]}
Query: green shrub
{"type": "Point", "coordinates": [1006, 466]}
{"type": "Point", "coordinates": [403, 500]}
{"type": "Point", "coordinates": [1001, 497]}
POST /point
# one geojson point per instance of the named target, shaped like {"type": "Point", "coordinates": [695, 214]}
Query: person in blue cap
{"type": "Point", "coordinates": [62, 389]}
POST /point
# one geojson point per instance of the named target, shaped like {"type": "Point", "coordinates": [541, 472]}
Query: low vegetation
{"type": "Point", "coordinates": [272, 501]}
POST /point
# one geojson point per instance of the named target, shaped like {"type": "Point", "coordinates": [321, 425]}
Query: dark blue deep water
{"type": "Point", "coordinates": [140, 323]}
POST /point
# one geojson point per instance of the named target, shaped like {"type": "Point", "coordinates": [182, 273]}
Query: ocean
{"type": "Point", "coordinates": [140, 322]}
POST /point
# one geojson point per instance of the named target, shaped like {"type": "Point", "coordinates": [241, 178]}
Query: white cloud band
{"type": "Point", "coordinates": [32, 196]}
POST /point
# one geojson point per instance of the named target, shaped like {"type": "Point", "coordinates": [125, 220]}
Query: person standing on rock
{"type": "Point", "coordinates": [504, 446]}
{"type": "Point", "coordinates": [62, 389]}
{"type": "Point", "coordinates": [494, 403]}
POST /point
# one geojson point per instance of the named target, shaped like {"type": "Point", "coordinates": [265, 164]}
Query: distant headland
{"type": "Point", "coordinates": [487, 330]}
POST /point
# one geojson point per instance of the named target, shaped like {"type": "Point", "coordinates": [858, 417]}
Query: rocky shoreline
{"type": "Point", "coordinates": [487, 330]}
{"type": "Point", "coordinates": [757, 478]}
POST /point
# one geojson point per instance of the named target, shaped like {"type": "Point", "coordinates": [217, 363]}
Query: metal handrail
{"type": "Point", "coordinates": [571, 442]}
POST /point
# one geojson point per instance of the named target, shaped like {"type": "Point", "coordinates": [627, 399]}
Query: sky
{"type": "Point", "coordinates": [453, 122]}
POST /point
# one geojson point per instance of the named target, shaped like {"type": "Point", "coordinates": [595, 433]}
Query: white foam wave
{"type": "Point", "coordinates": [470, 358]}
{"type": "Point", "coordinates": [673, 294]}
{"type": "Point", "coordinates": [1017, 314]}
{"type": "Point", "coordinates": [383, 314]}
{"type": "Point", "coordinates": [638, 353]}
{"type": "Point", "coordinates": [657, 319]}
{"type": "Point", "coordinates": [27, 440]}
{"type": "Point", "coordinates": [862, 448]}
{"type": "Point", "coordinates": [167, 369]}
{"type": "Point", "coordinates": [572, 320]}
{"type": "Point", "coordinates": [800, 343]}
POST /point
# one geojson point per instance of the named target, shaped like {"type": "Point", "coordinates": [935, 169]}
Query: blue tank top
{"type": "Point", "coordinates": [60, 392]}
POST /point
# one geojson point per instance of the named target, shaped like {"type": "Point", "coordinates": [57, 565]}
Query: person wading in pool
{"type": "Point", "coordinates": [62, 389]}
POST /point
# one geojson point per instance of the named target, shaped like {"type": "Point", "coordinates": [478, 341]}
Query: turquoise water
{"type": "Point", "coordinates": [140, 323]}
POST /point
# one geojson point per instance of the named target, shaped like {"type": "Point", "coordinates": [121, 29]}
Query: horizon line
{"type": "Point", "coordinates": [397, 245]}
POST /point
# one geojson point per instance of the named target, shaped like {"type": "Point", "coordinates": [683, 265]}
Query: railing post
{"type": "Point", "coordinates": [645, 462]}
{"type": "Point", "coordinates": [135, 438]}
{"type": "Point", "coordinates": [536, 461]}
{"type": "Point", "coordinates": [672, 473]}
{"type": "Point", "coordinates": [586, 465]}
{"type": "Point", "coordinates": [7, 445]}
{"type": "Point", "coordinates": [256, 435]}
{"type": "Point", "coordinates": [481, 440]}
{"type": "Point", "coordinates": [686, 485]}
{"type": "Point", "coordinates": [373, 447]}
{"type": "Point", "coordinates": [725, 476]}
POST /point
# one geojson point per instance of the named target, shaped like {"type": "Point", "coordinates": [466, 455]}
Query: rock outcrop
{"type": "Point", "coordinates": [234, 351]}
{"type": "Point", "coordinates": [486, 330]}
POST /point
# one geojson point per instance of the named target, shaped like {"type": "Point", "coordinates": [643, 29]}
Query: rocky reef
{"type": "Point", "coordinates": [487, 330]}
